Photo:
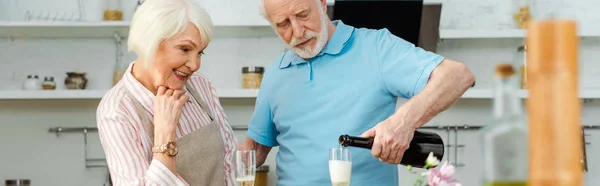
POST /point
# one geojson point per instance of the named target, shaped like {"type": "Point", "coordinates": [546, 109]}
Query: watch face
{"type": "Point", "coordinates": [172, 149]}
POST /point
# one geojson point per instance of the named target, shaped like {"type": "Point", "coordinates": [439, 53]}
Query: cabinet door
{"type": "Point", "coordinates": [467, 156]}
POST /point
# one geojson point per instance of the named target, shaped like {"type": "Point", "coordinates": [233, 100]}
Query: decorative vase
{"type": "Point", "coordinates": [76, 80]}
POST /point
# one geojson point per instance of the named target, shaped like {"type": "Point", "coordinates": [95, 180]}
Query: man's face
{"type": "Point", "coordinates": [302, 24]}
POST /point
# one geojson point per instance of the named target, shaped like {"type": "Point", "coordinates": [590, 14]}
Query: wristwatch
{"type": "Point", "coordinates": [170, 149]}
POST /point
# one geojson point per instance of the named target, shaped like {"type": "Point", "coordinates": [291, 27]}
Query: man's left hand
{"type": "Point", "coordinates": [392, 138]}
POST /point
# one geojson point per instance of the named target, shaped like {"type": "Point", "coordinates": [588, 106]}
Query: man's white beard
{"type": "Point", "coordinates": [310, 51]}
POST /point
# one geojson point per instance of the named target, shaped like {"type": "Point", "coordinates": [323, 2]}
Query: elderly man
{"type": "Point", "coordinates": [337, 79]}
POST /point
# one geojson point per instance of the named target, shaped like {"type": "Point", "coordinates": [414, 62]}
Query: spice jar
{"type": "Point", "coordinates": [17, 182]}
{"type": "Point", "coordinates": [262, 176]}
{"type": "Point", "coordinates": [252, 77]}
{"type": "Point", "coordinates": [113, 11]}
{"type": "Point", "coordinates": [49, 83]}
{"type": "Point", "coordinates": [32, 83]}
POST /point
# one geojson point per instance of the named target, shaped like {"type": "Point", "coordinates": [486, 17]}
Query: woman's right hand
{"type": "Point", "coordinates": [168, 105]}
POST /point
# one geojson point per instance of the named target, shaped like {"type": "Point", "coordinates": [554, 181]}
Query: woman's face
{"type": "Point", "coordinates": [177, 59]}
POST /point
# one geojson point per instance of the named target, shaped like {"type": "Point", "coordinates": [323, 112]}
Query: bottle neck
{"type": "Point", "coordinates": [506, 101]}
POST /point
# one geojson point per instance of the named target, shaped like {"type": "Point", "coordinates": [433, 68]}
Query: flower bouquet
{"type": "Point", "coordinates": [442, 175]}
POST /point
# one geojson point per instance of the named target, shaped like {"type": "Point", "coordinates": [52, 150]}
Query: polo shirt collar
{"type": "Point", "coordinates": [334, 46]}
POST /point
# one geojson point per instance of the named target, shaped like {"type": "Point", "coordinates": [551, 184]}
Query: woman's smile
{"type": "Point", "coordinates": [180, 75]}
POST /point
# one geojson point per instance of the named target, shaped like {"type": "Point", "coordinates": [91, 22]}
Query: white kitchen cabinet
{"type": "Point", "coordinates": [470, 169]}
{"type": "Point", "coordinates": [468, 158]}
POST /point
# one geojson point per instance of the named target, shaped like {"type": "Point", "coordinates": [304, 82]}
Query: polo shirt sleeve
{"type": "Point", "coordinates": [261, 127]}
{"type": "Point", "coordinates": [404, 68]}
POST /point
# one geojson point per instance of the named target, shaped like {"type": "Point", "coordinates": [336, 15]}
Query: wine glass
{"type": "Point", "coordinates": [245, 167]}
{"type": "Point", "coordinates": [340, 166]}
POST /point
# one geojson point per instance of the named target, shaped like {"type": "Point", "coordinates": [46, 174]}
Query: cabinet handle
{"type": "Point", "coordinates": [449, 145]}
{"type": "Point", "coordinates": [456, 146]}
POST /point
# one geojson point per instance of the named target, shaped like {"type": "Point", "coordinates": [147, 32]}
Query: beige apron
{"type": "Point", "coordinates": [200, 156]}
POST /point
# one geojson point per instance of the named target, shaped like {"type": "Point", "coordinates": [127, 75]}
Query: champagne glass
{"type": "Point", "coordinates": [340, 166]}
{"type": "Point", "coordinates": [245, 167]}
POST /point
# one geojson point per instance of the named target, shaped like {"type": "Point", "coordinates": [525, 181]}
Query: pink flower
{"type": "Point", "coordinates": [442, 176]}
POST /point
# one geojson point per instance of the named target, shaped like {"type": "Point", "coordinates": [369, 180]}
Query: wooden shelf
{"type": "Point", "coordinates": [499, 34]}
{"type": "Point", "coordinates": [98, 94]}
{"type": "Point", "coordinates": [106, 29]}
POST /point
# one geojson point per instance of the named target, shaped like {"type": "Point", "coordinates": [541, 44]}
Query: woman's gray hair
{"type": "Point", "coordinates": [157, 20]}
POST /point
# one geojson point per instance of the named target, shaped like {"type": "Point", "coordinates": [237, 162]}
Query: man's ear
{"type": "Point", "coordinates": [324, 5]}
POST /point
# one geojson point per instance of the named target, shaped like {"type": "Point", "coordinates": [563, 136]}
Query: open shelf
{"type": "Point", "coordinates": [499, 34]}
{"type": "Point", "coordinates": [489, 94]}
{"type": "Point", "coordinates": [228, 93]}
{"type": "Point", "coordinates": [98, 94]}
{"type": "Point", "coordinates": [107, 29]}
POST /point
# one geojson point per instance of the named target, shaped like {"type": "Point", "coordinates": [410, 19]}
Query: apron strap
{"type": "Point", "coordinates": [147, 123]}
{"type": "Point", "coordinates": [200, 101]}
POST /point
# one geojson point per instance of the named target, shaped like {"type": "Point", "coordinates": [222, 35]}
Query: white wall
{"type": "Point", "coordinates": [30, 151]}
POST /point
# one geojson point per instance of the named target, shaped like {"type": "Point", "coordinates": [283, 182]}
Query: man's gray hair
{"type": "Point", "coordinates": [263, 12]}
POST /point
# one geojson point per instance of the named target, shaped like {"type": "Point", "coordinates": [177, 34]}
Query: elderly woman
{"type": "Point", "coordinates": [162, 124]}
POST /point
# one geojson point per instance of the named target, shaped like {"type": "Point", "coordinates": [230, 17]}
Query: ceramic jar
{"type": "Point", "coordinates": [76, 80]}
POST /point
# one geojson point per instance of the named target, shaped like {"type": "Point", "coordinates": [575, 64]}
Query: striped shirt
{"type": "Point", "coordinates": [128, 147]}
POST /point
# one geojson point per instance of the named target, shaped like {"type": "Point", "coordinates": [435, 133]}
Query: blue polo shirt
{"type": "Point", "coordinates": [349, 87]}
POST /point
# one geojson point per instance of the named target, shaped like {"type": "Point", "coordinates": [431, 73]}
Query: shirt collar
{"type": "Point", "coordinates": [141, 93]}
{"type": "Point", "coordinates": [334, 46]}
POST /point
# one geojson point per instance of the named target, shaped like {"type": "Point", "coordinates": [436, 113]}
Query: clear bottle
{"type": "Point", "coordinates": [119, 71]}
{"type": "Point", "coordinates": [505, 138]}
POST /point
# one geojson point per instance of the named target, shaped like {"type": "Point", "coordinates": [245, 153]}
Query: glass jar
{"type": "Point", "coordinates": [252, 77]}
{"type": "Point", "coordinates": [113, 11]}
{"type": "Point", "coordinates": [521, 13]}
{"type": "Point", "coordinates": [49, 83]}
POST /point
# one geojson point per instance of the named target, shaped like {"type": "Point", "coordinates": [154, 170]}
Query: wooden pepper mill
{"type": "Point", "coordinates": [553, 107]}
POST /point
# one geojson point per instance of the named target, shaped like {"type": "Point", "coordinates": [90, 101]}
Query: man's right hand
{"type": "Point", "coordinates": [261, 150]}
